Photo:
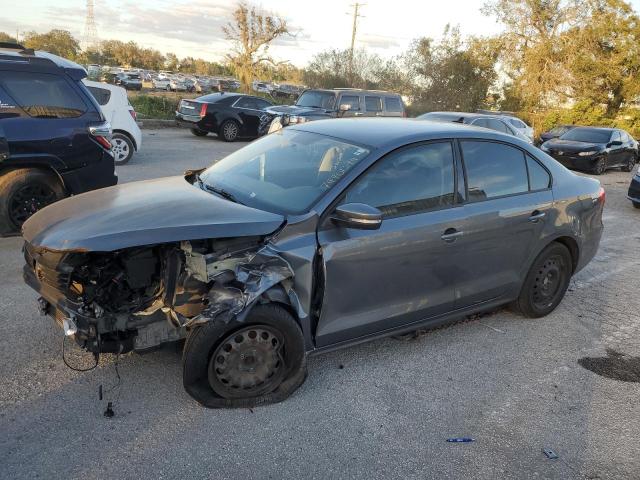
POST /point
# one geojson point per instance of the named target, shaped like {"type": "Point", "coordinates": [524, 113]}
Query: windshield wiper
{"type": "Point", "coordinates": [220, 191]}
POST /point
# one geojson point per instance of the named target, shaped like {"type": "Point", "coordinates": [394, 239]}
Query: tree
{"type": "Point", "coordinates": [330, 69]}
{"type": "Point", "coordinates": [5, 37]}
{"type": "Point", "coordinates": [58, 42]}
{"type": "Point", "coordinates": [251, 32]}
{"type": "Point", "coordinates": [606, 65]}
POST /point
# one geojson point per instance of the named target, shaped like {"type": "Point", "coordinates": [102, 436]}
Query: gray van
{"type": "Point", "coordinates": [318, 104]}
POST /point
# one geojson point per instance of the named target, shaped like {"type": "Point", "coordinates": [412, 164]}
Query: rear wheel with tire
{"type": "Point", "coordinates": [546, 283]}
{"type": "Point", "coordinates": [199, 133]}
{"type": "Point", "coordinates": [122, 148]}
{"type": "Point", "coordinates": [23, 192]}
{"type": "Point", "coordinates": [242, 364]}
{"type": "Point", "coordinates": [600, 166]}
{"type": "Point", "coordinates": [229, 131]}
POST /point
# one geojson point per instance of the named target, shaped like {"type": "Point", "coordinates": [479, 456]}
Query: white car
{"type": "Point", "coordinates": [519, 125]}
{"type": "Point", "coordinates": [161, 83]}
{"type": "Point", "coordinates": [117, 110]}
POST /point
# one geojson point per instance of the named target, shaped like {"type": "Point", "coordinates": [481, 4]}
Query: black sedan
{"type": "Point", "coordinates": [555, 132]}
{"type": "Point", "coordinates": [229, 115]}
{"type": "Point", "coordinates": [594, 149]}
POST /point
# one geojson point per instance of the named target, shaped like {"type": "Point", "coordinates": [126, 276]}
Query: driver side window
{"type": "Point", "coordinates": [409, 181]}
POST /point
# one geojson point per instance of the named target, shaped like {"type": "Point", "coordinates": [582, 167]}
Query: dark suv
{"type": "Point", "coordinates": [338, 102]}
{"type": "Point", "coordinates": [54, 141]}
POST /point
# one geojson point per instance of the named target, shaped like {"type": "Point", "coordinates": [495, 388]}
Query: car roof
{"type": "Point", "coordinates": [395, 132]}
{"type": "Point", "coordinates": [351, 90]}
{"type": "Point", "coordinates": [602, 129]}
{"type": "Point", "coordinates": [17, 54]}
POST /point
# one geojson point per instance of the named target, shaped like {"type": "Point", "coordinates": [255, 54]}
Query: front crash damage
{"type": "Point", "coordinates": [139, 298]}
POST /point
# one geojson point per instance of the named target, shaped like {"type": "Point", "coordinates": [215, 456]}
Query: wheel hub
{"type": "Point", "coordinates": [247, 363]}
{"type": "Point", "coordinates": [548, 282]}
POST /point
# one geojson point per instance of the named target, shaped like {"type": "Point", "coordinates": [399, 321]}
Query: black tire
{"type": "Point", "coordinates": [199, 133]}
{"type": "Point", "coordinates": [600, 166]}
{"type": "Point", "coordinates": [229, 131]}
{"type": "Point", "coordinates": [636, 204]}
{"type": "Point", "coordinates": [23, 192]}
{"type": "Point", "coordinates": [631, 162]}
{"type": "Point", "coordinates": [122, 148]}
{"type": "Point", "coordinates": [269, 341]}
{"type": "Point", "coordinates": [546, 283]}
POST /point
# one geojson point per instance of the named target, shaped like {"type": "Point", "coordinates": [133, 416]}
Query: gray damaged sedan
{"type": "Point", "coordinates": [316, 237]}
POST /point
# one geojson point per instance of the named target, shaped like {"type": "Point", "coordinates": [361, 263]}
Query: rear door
{"type": "Point", "coordinates": [372, 106]}
{"type": "Point", "coordinates": [509, 202]}
{"type": "Point", "coordinates": [249, 111]}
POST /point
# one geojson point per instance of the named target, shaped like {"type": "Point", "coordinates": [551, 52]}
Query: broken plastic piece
{"type": "Point", "coordinates": [550, 453]}
{"type": "Point", "coordinates": [460, 440]}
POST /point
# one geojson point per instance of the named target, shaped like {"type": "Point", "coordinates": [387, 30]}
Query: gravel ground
{"type": "Point", "coordinates": [383, 409]}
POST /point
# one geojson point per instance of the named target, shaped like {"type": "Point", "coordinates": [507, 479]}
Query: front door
{"type": "Point", "coordinates": [381, 279]}
{"type": "Point", "coordinates": [509, 204]}
{"type": "Point", "coordinates": [617, 152]}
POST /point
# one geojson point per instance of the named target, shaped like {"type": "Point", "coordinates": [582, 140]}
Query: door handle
{"type": "Point", "coordinates": [357, 114]}
{"type": "Point", "coordinates": [450, 235]}
{"type": "Point", "coordinates": [536, 216]}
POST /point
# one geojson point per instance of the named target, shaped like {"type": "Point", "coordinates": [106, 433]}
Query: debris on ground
{"type": "Point", "coordinates": [550, 453]}
{"type": "Point", "coordinates": [460, 440]}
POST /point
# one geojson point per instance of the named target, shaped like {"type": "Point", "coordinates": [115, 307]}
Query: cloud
{"type": "Point", "coordinates": [380, 42]}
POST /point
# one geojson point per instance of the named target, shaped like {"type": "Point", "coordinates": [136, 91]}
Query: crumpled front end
{"type": "Point", "coordinates": [139, 298]}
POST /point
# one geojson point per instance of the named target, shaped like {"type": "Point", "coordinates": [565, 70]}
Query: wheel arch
{"type": "Point", "coordinates": [572, 246]}
{"type": "Point", "coordinates": [5, 168]}
{"type": "Point", "coordinates": [128, 135]}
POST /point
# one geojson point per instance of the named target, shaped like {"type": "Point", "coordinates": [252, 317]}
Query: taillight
{"type": "Point", "coordinates": [404, 113]}
{"type": "Point", "coordinates": [134, 115]}
{"type": "Point", "coordinates": [102, 135]}
{"type": "Point", "coordinates": [203, 110]}
{"type": "Point", "coordinates": [602, 195]}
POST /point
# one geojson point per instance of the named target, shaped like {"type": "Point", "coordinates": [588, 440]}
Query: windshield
{"type": "Point", "coordinates": [558, 130]}
{"type": "Point", "coordinates": [284, 172]}
{"type": "Point", "coordinates": [442, 117]}
{"type": "Point", "coordinates": [588, 135]}
{"type": "Point", "coordinates": [311, 98]}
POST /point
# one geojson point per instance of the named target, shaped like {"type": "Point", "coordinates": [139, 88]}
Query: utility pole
{"type": "Point", "coordinates": [356, 9]}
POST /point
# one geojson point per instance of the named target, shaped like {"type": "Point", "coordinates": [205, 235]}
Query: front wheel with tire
{"type": "Point", "coordinates": [546, 283]}
{"type": "Point", "coordinates": [229, 131]}
{"type": "Point", "coordinates": [122, 148]}
{"type": "Point", "coordinates": [23, 192]}
{"type": "Point", "coordinates": [246, 363]}
{"type": "Point", "coordinates": [600, 166]}
{"type": "Point", "coordinates": [199, 133]}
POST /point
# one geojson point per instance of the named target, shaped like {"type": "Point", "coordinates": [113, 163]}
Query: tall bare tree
{"type": "Point", "coordinates": [251, 31]}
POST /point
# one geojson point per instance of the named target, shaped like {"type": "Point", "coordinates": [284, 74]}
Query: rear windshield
{"type": "Point", "coordinates": [442, 117]}
{"type": "Point", "coordinates": [43, 95]}
{"type": "Point", "coordinates": [134, 76]}
{"type": "Point", "coordinates": [102, 95]}
{"type": "Point", "coordinates": [590, 135]}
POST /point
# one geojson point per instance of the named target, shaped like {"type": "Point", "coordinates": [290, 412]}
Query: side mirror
{"type": "Point", "coordinates": [615, 143]}
{"type": "Point", "coordinates": [345, 108]}
{"type": "Point", "coordinates": [357, 215]}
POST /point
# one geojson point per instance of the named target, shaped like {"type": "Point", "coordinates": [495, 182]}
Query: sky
{"type": "Point", "coordinates": [194, 27]}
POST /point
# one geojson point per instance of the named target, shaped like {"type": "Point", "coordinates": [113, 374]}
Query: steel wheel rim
{"type": "Point", "coordinates": [120, 149]}
{"type": "Point", "coordinates": [548, 282]}
{"type": "Point", "coordinates": [27, 200]}
{"type": "Point", "coordinates": [248, 362]}
{"type": "Point", "coordinates": [230, 130]}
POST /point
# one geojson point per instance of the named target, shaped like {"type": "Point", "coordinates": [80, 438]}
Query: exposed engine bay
{"type": "Point", "coordinates": [138, 298]}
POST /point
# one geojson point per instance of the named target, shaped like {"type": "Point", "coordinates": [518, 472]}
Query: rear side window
{"type": "Point", "coordinates": [373, 104]}
{"type": "Point", "coordinates": [393, 104]}
{"type": "Point", "coordinates": [352, 100]}
{"type": "Point", "coordinates": [102, 95]}
{"type": "Point", "coordinates": [494, 170]}
{"type": "Point", "coordinates": [517, 123]}
{"type": "Point", "coordinates": [43, 95]}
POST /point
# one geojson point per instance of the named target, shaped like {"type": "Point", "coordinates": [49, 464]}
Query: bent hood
{"type": "Point", "coordinates": [143, 213]}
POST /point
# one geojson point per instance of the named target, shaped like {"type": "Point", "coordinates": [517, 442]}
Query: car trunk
{"type": "Point", "coordinates": [189, 107]}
